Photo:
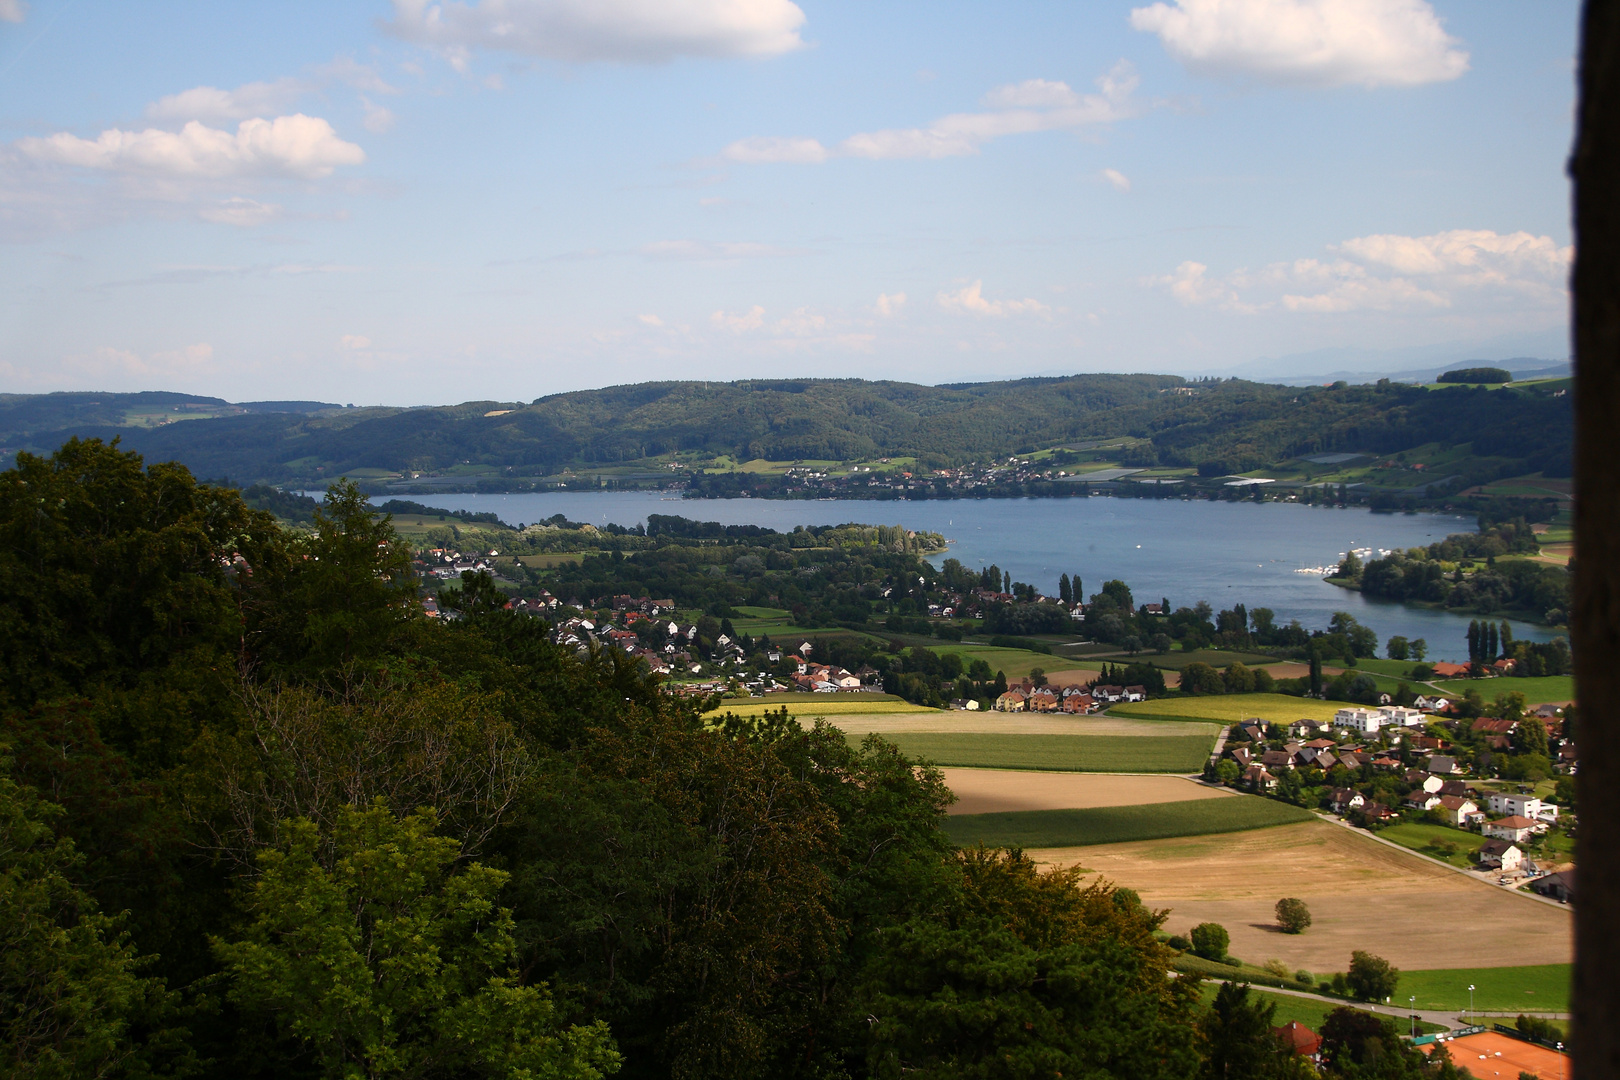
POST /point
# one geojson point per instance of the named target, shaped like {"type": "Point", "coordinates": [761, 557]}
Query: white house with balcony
{"type": "Point", "coordinates": [1365, 721]}
{"type": "Point", "coordinates": [1400, 716]}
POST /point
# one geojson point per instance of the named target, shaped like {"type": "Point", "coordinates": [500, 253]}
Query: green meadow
{"type": "Point", "coordinates": [1059, 753]}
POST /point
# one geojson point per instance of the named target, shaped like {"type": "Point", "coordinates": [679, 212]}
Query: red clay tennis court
{"type": "Point", "coordinates": [1489, 1055]}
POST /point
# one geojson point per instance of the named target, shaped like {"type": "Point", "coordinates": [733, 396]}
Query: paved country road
{"type": "Point", "coordinates": [1447, 1018]}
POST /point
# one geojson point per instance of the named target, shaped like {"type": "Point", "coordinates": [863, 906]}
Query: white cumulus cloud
{"type": "Point", "coordinates": [1310, 42]}
{"type": "Point", "coordinates": [13, 11]}
{"type": "Point", "coordinates": [355, 341]}
{"type": "Point", "coordinates": [970, 299]}
{"type": "Point", "coordinates": [297, 145]}
{"type": "Point", "coordinates": [1458, 269]}
{"type": "Point", "coordinates": [636, 31]}
{"type": "Point", "coordinates": [890, 303]}
{"type": "Point", "coordinates": [1020, 108]}
{"type": "Point", "coordinates": [212, 105]}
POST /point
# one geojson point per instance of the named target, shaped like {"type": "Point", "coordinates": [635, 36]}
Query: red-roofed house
{"type": "Point", "coordinates": [1299, 1038]}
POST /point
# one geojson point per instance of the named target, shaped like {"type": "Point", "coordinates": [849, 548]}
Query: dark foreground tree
{"type": "Point", "coordinates": [366, 950]}
{"type": "Point", "coordinates": [1025, 974]}
{"type": "Point", "coordinates": [1240, 1041]}
{"type": "Point", "coordinates": [73, 1001]}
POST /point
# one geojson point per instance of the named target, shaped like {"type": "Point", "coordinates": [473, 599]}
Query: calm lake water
{"type": "Point", "coordinates": [1225, 553]}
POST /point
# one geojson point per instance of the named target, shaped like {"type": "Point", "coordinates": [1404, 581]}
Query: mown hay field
{"type": "Point", "coordinates": [1362, 895]}
{"type": "Point", "coordinates": [1000, 791]}
{"type": "Point", "coordinates": [1120, 824]}
{"type": "Point", "coordinates": [1230, 708]}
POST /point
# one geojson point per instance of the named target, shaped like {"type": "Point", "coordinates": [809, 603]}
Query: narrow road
{"type": "Point", "coordinates": [1220, 744]}
{"type": "Point", "coordinates": [1451, 1019]}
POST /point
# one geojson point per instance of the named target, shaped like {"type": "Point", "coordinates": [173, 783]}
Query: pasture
{"type": "Point", "coordinates": [1120, 824]}
{"type": "Point", "coordinates": [1554, 688]}
{"type": "Point", "coordinates": [1538, 987]}
{"type": "Point", "coordinates": [1308, 1011]}
{"type": "Point", "coordinates": [1359, 892]}
{"type": "Point", "coordinates": [1432, 840]}
{"type": "Point", "coordinates": [1064, 753]}
{"type": "Point", "coordinates": [997, 791]}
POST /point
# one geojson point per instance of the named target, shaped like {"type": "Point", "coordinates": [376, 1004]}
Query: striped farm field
{"type": "Point", "coordinates": [1121, 824]}
{"type": "Point", "coordinates": [1058, 753]}
{"type": "Point", "coordinates": [829, 705]}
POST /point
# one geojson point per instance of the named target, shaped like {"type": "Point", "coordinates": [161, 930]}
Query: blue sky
{"type": "Point", "coordinates": [410, 203]}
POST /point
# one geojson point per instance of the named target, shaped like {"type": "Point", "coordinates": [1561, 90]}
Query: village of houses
{"type": "Point", "coordinates": [1507, 823]}
{"type": "Point", "coordinates": [1383, 742]}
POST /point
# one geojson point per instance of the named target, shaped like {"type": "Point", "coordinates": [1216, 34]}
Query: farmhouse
{"type": "Point", "coordinates": [1300, 1039]}
{"type": "Point", "coordinates": [1257, 777]}
{"type": "Point", "coordinates": [1515, 828]}
{"type": "Point", "coordinates": [1421, 800]}
{"type": "Point", "coordinates": [1458, 812]}
{"type": "Point", "coordinates": [1500, 855]}
{"type": "Point", "coordinates": [1344, 799]}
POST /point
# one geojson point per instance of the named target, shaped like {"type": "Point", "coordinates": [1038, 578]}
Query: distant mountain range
{"type": "Point", "coordinates": [652, 430]}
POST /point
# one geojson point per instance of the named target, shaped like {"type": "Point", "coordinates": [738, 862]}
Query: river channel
{"type": "Point", "coordinates": [1183, 551]}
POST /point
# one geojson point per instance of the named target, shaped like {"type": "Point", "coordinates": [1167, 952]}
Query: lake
{"type": "Point", "coordinates": [1222, 552]}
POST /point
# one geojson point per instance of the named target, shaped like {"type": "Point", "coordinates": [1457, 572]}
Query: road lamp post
{"type": "Point", "coordinates": [1412, 1001]}
{"type": "Point", "coordinates": [1470, 1001]}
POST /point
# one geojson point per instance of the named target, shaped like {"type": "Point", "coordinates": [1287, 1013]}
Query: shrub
{"type": "Point", "coordinates": [1303, 977]}
{"type": "Point", "coordinates": [1179, 943]}
{"type": "Point", "coordinates": [1292, 915]}
{"type": "Point", "coordinates": [1210, 940]}
{"type": "Point", "coordinates": [1278, 968]}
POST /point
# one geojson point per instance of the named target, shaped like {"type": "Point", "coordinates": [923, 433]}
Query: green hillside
{"type": "Point", "coordinates": [753, 432]}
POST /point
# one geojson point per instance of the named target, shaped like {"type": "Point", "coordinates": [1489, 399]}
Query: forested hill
{"type": "Point", "coordinates": [1229, 425]}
